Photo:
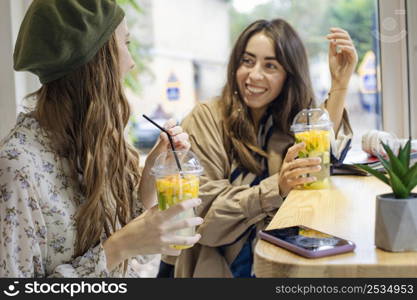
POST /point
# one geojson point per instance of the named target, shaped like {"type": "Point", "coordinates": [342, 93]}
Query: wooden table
{"type": "Point", "coordinates": [346, 210]}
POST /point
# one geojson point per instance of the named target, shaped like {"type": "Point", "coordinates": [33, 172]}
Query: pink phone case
{"type": "Point", "coordinates": [350, 246]}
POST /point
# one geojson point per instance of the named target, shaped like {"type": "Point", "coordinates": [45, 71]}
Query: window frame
{"type": "Point", "coordinates": [395, 68]}
{"type": "Point", "coordinates": [412, 65]}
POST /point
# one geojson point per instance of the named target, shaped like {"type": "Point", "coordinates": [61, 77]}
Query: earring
{"type": "Point", "coordinates": [235, 92]}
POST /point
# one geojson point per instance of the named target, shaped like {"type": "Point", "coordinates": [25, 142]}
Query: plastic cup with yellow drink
{"type": "Point", "coordinates": [312, 126]}
{"type": "Point", "coordinates": [174, 185]}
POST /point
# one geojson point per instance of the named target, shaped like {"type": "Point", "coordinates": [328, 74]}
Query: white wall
{"type": "Point", "coordinates": [13, 86]}
{"type": "Point", "coordinates": [7, 89]}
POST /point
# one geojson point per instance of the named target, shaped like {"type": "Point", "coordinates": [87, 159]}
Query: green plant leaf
{"type": "Point", "coordinates": [411, 174]}
{"type": "Point", "coordinates": [384, 162]}
{"type": "Point", "coordinates": [397, 186]}
{"type": "Point", "coordinates": [396, 165]}
{"type": "Point", "coordinates": [376, 173]}
{"type": "Point", "coordinates": [404, 154]}
{"type": "Point", "coordinates": [412, 178]}
{"type": "Point", "coordinates": [412, 184]}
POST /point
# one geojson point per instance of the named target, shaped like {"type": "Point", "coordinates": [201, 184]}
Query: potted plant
{"type": "Point", "coordinates": [396, 212]}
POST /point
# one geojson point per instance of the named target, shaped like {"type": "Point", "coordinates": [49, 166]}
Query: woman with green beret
{"type": "Point", "coordinates": [72, 197]}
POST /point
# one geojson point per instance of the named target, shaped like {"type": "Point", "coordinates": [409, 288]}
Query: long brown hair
{"type": "Point", "coordinates": [86, 113]}
{"type": "Point", "coordinates": [296, 94]}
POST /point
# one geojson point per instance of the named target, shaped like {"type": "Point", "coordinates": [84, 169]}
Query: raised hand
{"type": "Point", "coordinates": [179, 138]}
{"type": "Point", "coordinates": [342, 57]}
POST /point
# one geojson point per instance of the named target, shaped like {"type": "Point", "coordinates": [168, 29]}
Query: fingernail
{"type": "Point", "coordinates": [198, 201]}
{"type": "Point", "coordinates": [201, 220]}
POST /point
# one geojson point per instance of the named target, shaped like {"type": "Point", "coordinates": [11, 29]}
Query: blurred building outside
{"type": "Point", "coordinates": [187, 43]}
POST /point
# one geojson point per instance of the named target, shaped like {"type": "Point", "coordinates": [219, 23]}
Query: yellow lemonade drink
{"type": "Point", "coordinates": [177, 178]}
{"type": "Point", "coordinates": [173, 189]}
{"type": "Point", "coordinates": [317, 145]}
{"type": "Point", "coordinates": [312, 126]}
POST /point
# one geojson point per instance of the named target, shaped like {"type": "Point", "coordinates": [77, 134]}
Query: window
{"type": "Point", "coordinates": [185, 56]}
{"type": "Point", "coordinates": [185, 59]}
{"type": "Point", "coordinates": [312, 19]}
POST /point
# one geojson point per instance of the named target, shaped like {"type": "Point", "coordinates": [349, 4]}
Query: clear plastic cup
{"type": "Point", "coordinates": [312, 126]}
{"type": "Point", "coordinates": [173, 186]}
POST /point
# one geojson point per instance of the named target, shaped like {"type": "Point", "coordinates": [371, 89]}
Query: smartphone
{"type": "Point", "coordinates": [306, 241]}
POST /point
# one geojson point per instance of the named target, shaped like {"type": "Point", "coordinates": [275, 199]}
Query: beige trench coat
{"type": "Point", "coordinates": [228, 209]}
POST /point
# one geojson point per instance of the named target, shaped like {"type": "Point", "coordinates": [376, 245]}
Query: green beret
{"type": "Point", "coordinates": [58, 36]}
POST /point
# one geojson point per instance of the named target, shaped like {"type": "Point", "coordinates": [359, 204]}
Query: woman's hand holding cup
{"type": "Point", "coordinates": [151, 233]}
{"type": "Point", "coordinates": [294, 170]}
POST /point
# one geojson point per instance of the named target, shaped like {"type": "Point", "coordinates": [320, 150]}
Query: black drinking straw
{"type": "Point", "coordinates": [308, 113]}
{"type": "Point", "coordinates": [170, 141]}
{"type": "Point", "coordinates": [308, 119]}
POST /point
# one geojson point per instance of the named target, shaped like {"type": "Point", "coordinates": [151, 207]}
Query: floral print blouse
{"type": "Point", "coordinates": [38, 204]}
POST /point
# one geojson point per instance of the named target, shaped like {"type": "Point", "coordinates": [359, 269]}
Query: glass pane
{"type": "Point", "coordinates": [183, 59]}
{"type": "Point", "coordinates": [312, 20]}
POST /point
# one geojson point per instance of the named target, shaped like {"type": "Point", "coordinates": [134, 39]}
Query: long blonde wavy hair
{"type": "Point", "coordinates": [297, 93]}
{"type": "Point", "coordinates": [85, 114]}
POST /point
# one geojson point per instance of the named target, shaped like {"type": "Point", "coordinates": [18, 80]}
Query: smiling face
{"type": "Point", "coordinates": [126, 62]}
{"type": "Point", "coordinates": [260, 77]}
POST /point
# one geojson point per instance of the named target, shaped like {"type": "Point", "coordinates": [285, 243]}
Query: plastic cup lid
{"type": "Point", "coordinates": [311, 118]}
{"type": "Point", "coordinates": [166, 165]}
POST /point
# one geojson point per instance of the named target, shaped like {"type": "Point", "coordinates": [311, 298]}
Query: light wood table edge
{"type": "Point", "coordinates": [265, 267]}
